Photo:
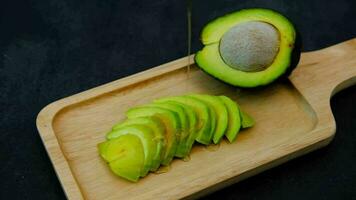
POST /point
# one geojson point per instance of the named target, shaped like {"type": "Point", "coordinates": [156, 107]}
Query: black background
{"type": "Point", "coordinates": [54, 48]}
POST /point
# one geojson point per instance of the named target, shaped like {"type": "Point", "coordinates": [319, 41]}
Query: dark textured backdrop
{"type": "Point", "coordinates": [54, 48]}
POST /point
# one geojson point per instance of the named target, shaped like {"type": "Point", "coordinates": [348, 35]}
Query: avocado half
{"type": "Point", "coordinates": [249, 48]}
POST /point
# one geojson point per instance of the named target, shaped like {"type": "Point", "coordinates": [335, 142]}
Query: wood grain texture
{"type": "Point", "coordinates": [292, 118]}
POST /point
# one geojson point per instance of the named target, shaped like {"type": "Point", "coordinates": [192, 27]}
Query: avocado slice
{"type": "Point", "coordinates": [213, 116]}
{"type": "Point", "coordinates": [249, 48]}
{"type": "Point", "coordinates": [193, 119]}
{"type": "Point", "coordinates": [221, 114]}
{"type": "Point", "coordinates": [246, 120]}
{"type": "Point", "coordinates": [125, 156]}
{"type": "Point", "coordinates": [203, 113]}
{"type": "Point", "coordinates": [147, 138]}
{"type": "Point", "coordinates": [159, 130]}
{"type": "Point", "coordinates": [234, 119]}
{"type": "Point", "coordinates": [184, 124]}
{"type": "Point", "coordinates": [172, 124]}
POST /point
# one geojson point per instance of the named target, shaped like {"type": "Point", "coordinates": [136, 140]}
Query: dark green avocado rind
{"type": "Point", "coordinates": [210, 61]}
{"type": "Point", "coordinates": [295, 56]}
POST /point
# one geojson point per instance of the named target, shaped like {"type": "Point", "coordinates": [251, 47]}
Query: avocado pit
{"type": "Point", "coordinates": [250, 46]}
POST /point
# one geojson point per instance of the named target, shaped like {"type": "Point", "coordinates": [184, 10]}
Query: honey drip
{"type": "Point", "coordinates": [186, 159]}
{"type": "Point", "coordinates": [163, 169]}
{"type": "Point", "coordinates": [189, 42]}
{"type": "Point", "coordinates": [212, 147]}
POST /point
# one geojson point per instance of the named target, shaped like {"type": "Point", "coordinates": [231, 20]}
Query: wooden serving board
{"type": "Point", "coordinates": [292, 118]}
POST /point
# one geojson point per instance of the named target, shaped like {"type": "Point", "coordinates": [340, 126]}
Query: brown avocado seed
{"type": "Point", "coordinates": [250, 46]}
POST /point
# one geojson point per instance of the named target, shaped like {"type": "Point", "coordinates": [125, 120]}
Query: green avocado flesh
{"type": "Point", "coordinates": [172, 123]}
{"type": "Point", "coordinates": [204, 114]}
{"type": "Point", "coordinates": [158, 128]}
{"type": "Point", "coordinates": [188, 141]}
{"type": "Point", "coordinates": [221, 114]}
{"type": "Point", "coordinates": [153, 134]}
{"type": "Point", "coordinates": [247, 121]}
{"type": "Point", "coordinates": [248, 48]}
{"type": "Point", "coordinates": [125, 156]}
{"type": "Point", "coordinates": [146, 136]}
{"type": "Point", "coordinates": [234, 119]}
{"type": "Point", "coordinates": [180, 111]}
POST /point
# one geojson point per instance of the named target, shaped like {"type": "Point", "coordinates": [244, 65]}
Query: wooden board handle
{"type": "Point", "coordinates": [324, 72]}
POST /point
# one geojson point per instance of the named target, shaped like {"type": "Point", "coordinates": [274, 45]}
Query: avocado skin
{"type": "Point", "coordinates": [294, 57]}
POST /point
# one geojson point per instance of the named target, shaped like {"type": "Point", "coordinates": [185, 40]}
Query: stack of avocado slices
{"type": "Point", "coordinates": [155, 133]}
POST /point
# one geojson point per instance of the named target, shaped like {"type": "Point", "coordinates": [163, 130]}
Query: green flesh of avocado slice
{"type": "Point", "coordinates": [234, 120]}
{"type": "Point", "coordinates": [213, 115]}
{"type": "Point", "coordinates": [172, 125]}
{"type": "Point", "coordinates": [147, 138]}
{"type": "Point", "coordinates": [158, 128]}
{"type": "Point", "coordinates": [221, 114]}
{"type": "Point", "coordinates": [179, 110]}
{"type": "Point", "coordinates": [193, 120]}
{"type": "Point", "coordinates": [188, 141]}
{"type": "Point", "coordinates": [125, 156]}
{"type": "Point", "coordinates": [247, 120]}
{"type": "Point", "coordinates": [203, 113]}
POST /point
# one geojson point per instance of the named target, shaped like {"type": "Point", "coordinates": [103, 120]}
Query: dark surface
{"type": "Point", "coordinates": [55, 48]}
